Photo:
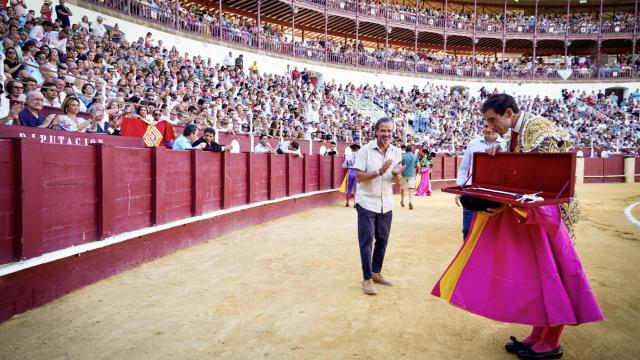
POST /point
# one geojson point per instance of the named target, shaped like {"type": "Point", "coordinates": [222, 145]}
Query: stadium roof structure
{"type": "Point", "coordinates": [307, 17]}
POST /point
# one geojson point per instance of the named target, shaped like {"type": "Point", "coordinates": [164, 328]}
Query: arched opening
{"type": "Point", "coordinates": [619, 91]}
{"type": "Point", "coordinates": [464, 90]}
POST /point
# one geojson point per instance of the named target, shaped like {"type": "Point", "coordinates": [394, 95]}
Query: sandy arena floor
{"type": "Point", "coordinates": [289, 289]}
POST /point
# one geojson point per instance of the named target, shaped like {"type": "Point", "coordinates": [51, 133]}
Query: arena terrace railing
{"type": "Point", "coordinates": [276, 46]}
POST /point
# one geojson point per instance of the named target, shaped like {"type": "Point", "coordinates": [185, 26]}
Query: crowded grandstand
{"type": "Point", "coordinates": [94, 74]}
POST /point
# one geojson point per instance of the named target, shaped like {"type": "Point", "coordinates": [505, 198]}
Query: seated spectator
{"type": "Point", "coordinates": [210, 144]}
{"type": "Point", "coordinates": [98, 29]}
{"type": "Point", "coordinates": [289, 147]}
{"type": "Point", "coordinates": [30, 115]}
{"type": "Point", "coordinates": [189, 135]}
{"type": "Point", "coordinates": [15, 90]}
{"type": "Point", "coordinates": [12, 64]}
{"type": "Point", "coordinates": [50, 92]}
{"type": "Point", "coordinates": [253, 68]}
{"type": "Point", "coordinates": [69, 119]}
{"type": "Point", "coordinates": [264, 147]}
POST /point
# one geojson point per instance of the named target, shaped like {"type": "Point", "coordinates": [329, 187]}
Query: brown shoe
{"type": "Point", "coordinates": [410, 206]}
{"type": "Point", "coordinates": [379, 279]}
{"type": "Point", "coordinates": [368, 288]}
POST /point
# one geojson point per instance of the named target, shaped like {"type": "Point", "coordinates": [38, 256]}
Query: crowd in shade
{"type": "Point", "coordinates": [95, 77]}
{"type": "Point", "coordinates": [491, 20]}
{"type": "Point", "coordinates": [244, 30]}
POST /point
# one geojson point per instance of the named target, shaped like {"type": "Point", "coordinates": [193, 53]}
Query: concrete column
{"type": "Point", "coordinates": [580, 170]}
{"type": "Point", "coordinates": [629, 169]}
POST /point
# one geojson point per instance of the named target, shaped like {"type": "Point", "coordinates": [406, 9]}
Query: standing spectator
{"type": "Point", "coordinates": [350, 183]}
{"type": "Point", "coordinates": [189, 135]}
{"type": "Point", "coordinates": [239, 62]}
{"type": "Point", "coordinates": [210, 144]}
{"type": "Point", "coordinates": [408, 185]}
{"type": "Point", "coordinates": [374, 201]}
{"type": "Point", "coordinates": [228, 60]}
{"type": "Point", "coordinates": [295, 74]}
{"type": "Point", "coordinates": [46, 11]}
{"type": "Point", "coordinates": [63, 13]}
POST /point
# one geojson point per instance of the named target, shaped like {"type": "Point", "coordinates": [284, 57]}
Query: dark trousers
{"type": "Point", "coordinates": [372, 225]}
{"type": "Point", "coordinates": [467, 216]}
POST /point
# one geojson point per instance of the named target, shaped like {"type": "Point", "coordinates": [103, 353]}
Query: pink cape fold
{"type": "Point", "coordinates": [525, 272]}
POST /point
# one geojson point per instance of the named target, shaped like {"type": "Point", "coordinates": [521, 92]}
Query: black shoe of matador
{"type": "Point", "coordinates": [532, 355]}
{"type": "Point", "coordinates": [514, 345]}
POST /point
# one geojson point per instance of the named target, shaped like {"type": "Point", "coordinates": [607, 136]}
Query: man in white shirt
{"type": "Point", "coordinates": [229, 61]}
{"type": "Point", "coordinates": [378, 163]}
{"type": "Point", "coordinates": [312, 116]}
{"type": "Point", "coordinates": [98, 27]}
{"type": "Point", "coordinates": [488, 139]}
{"type": "Point", "coordinates": [50, 92]}
{"type": "Point", "coordinates": [263, 147]}
{"type": "Point", "coordinates": [289, 147]}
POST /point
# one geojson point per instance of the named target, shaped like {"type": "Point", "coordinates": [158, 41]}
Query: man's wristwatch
{"type": "Point", "coordinates": [379, 172]}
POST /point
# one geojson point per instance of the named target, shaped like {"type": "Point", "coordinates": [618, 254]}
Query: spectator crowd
{"type": "Point", "coordinates": [243, 30]}
{"type": "Point", "coordinates": [96, 78]}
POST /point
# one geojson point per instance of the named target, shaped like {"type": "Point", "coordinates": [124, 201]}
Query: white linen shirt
{"type": "Point", "coordinates": [476, 145]}
{"type": "Point", "coordinates": [376, 194]}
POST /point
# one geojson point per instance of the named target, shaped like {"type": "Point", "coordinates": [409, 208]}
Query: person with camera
{"type": "Point", "coordinates": [378, 164]}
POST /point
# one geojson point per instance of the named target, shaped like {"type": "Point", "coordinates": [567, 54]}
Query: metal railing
{"type": "Point", "coordinates": [276, 45]}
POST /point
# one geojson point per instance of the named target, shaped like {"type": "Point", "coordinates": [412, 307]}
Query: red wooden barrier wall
{"type": "Point", "coordinates": [593, 170]}
{"type": "Point", "coordinates": [599, 170]}
{"type": "Point", "coordinates": [8, 193]}
{"type": "Point", "coordinates": [637, 173]}
{"type": "Point", "coordinates": [48, 136]}
{"type": "Point", "coordinates": [613, 170]}
{"type": "Point", "coordinates": [74, 195]}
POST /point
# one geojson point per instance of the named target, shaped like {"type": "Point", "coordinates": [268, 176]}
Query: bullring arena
{"type": "Point", "coordinates": [173, 175]}
{"type": "Point", "coordinates": [288, 289]}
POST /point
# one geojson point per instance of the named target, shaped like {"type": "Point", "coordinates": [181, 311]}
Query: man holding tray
{"type": "Point", "coordinates": [518, 264]}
